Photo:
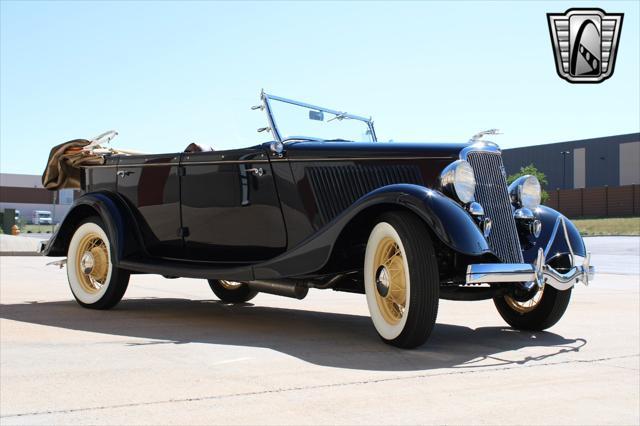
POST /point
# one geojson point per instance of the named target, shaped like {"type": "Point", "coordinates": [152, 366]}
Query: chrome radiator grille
{"type": "Point", "coordinates": [492, 194]}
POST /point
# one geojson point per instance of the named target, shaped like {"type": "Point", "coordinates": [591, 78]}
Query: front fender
{"type": "Point", "coordinates": [450, 223]}
{"type": "Point", "coordinates": [446, 218]}
{"type": "Point", "coordinates": [558, 236]}
{"type": "Point", "coordinates": [115, 215]}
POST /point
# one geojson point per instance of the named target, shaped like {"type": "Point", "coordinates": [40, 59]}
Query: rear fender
{"type": "Point", "coordinates": [117, 219]}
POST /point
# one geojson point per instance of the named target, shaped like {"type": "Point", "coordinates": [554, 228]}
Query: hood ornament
{"type": "Point", "coordinates": [478, 136]}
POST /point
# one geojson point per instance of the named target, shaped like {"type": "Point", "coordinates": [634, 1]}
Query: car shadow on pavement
{"type": "Point", "coordinates": [328, 339]}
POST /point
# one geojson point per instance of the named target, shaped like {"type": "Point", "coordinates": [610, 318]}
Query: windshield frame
{"type": "Point", "coordinates": [273, 127]}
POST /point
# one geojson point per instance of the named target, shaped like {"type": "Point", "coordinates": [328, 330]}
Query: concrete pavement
{"type": "Point", "coordinates": [171, 353]}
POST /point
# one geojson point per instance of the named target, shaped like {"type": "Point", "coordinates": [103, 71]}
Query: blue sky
{"type": "Point", "coordinates": [168, 73]}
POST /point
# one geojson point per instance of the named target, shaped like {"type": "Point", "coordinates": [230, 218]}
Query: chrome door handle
{"type": "Point", "coordinates": [256, 171]}
{"type": "Point", "coordinates": [123, 173]}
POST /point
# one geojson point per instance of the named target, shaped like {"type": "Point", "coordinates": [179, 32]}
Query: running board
{"type": "Point", "coordinates": [176, 268]}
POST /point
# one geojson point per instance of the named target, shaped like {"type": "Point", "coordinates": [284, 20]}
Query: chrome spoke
{"type": "Point", "coordinates": [527, 305]}
{"type": "Point", "coordinates": [389, 267]}
{"type": "Point", "coordinates": [92, 263]}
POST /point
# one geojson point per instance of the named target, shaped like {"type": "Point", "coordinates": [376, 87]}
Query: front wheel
{"type": "Point", "coordinates": [401, 280]}
{"type": "Point", "coordinates": [543, 310]}
{"type": "Point", "coordinates": [95, 282]}
{"type": "Point", "coordinates": [232, 291]}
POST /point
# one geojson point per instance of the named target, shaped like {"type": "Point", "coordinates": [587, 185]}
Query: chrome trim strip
{"type": "Point", "coordinates": [483, 146]}
{"type": "Point", "coordinates": [149, 164]}
{"type": "Point", "coordinates": [552, 237]}
{"type": "Point", "coordinates": [305, 160]}
{"type": "Point", "coordinates": [221, 162]}
{"type": "Point", "coordinates": [560, 220]}
{"type": "Point", "coordinates": [273, 160]}
{"type": "Point", "coordinates": [199, 163]}
{"type": "Point", "coordinates": [566, 236]}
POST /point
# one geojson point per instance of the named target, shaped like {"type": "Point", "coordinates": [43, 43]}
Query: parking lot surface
{"type": "Point", "coordinates": [170, 353]}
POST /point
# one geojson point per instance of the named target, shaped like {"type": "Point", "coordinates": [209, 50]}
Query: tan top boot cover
{"type": "Point", "coordinates": [65, 161]}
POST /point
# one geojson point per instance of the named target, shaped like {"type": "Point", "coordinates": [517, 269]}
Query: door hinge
{"type": "Point", "coordinates": [183, 232]}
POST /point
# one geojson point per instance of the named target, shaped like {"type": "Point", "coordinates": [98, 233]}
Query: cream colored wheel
{"type": "Point", "coordinates": [401, 280]}
{"type": "Point", "coordinates": [230, 285]}
{"type": "Point", "coordinates": [232, 291]}
{"type": "Point", "coordinates": [387, 281]}
{"type": "Point", "coordinates": [526, 306]}
{"type": "Point", "coordinates": [92, 262]}
{"type": "Point", "coordinates": [93, 280]}
{"type": "Point", "coordinates": [545, 307]}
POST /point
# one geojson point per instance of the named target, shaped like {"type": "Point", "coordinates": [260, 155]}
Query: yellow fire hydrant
{"type": "Point", "coordinates": [15, 230]}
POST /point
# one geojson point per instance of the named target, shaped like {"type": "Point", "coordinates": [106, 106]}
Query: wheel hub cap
{"type": "Point", "coordinates": [86, 263]}
{"type": "Point", "coordinates": [382, 281]}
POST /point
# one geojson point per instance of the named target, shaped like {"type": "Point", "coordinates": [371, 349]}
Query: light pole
{"type": "Point", "coordinates": [564, 156]}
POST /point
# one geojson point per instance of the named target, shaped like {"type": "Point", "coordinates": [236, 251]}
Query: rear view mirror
{"type": "Point", "coordinates": [316, 115]}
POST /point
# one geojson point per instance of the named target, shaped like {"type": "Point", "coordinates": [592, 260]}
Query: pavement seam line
{"type": "Point", "coordinates": [302, 388]}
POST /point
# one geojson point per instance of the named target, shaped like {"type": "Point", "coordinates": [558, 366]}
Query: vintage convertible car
{"type": "Point", "coordinates": [324, 205]}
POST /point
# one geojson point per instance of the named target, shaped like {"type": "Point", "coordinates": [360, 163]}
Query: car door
{"type": "Point", "coordinates": [150, 185]}
{"type": "Point", "coordinates": [230, 207]}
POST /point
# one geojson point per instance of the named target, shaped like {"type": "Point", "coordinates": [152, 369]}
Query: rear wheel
{"type": "Point", "coordinates": [401, 280]}
{"type": "Point", "coordinates": [543, 310]}
{"type": "Point", "coordinates": [94, 281]}
{"type": "Point", "coordinates": [232, 291]}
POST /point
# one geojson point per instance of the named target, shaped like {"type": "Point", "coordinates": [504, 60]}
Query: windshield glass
{"type": "Point", "coordinates": [301, 121]}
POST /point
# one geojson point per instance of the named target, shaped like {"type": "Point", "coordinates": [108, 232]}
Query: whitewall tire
{"type": "Point", "coordinates": [401, 279]}
{"type": "Point", "coordinates": [93, 279]}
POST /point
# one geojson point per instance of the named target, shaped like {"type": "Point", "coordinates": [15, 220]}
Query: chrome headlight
{"type": "Point", "coordinates": [458, 180]}
{"type": "Point", "coordinates": [526, 192]}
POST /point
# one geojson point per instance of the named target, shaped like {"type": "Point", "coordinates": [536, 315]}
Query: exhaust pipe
{"type": "Point", "coordinates": [296, 289]}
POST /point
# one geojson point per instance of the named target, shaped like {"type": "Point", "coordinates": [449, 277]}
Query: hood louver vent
{"type": "Point", "coordinates": [335, 188]}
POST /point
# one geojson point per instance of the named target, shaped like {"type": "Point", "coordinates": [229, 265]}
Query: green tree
{"type": "Point", "coordinates": [531, 170]}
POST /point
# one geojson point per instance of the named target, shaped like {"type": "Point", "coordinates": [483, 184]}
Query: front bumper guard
{"type": "Point", "coordinates": [538, 273]}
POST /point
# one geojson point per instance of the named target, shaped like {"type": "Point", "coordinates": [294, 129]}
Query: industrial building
{"type": "Point", "coordinates": [588, 163]}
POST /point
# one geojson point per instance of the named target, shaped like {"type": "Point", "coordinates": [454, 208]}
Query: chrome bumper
{"type": "Point", "coordinates": [537, 272]}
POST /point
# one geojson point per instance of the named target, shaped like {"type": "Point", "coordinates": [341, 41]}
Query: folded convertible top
{"type": "Point", "coordinates": [65, 161]}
